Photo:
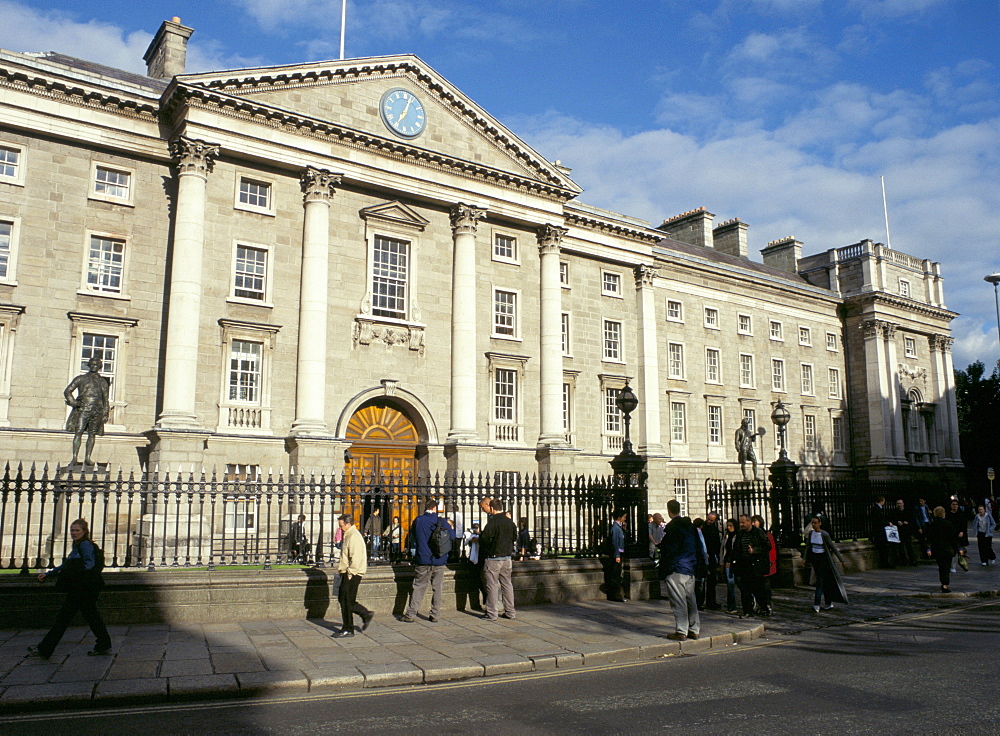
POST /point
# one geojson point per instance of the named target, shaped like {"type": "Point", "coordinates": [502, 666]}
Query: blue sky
{"type": "Point", "coordinates": [783, 113]}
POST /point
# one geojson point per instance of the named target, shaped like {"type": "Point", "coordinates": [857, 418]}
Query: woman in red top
{"type": "Point", "coordinates": [765, 606]}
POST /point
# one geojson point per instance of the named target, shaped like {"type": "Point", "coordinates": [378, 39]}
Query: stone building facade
{"type": "Point", "coordinates": [350, 264]}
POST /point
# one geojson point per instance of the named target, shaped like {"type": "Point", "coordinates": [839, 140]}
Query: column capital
{"type": "Point", "coordinates": [939, 342]}
{"type": "Point", "coordinates": [465, 219]}
{"type": "Point", "coordinates": [318, 184]}
{"type": "Point", "coordinates": [193, 156]}
{"type": "Point", "coordinates": [644, 275]}
{"type": "Point", "coordinates": [550, 238]}
{"type": "Point", "coordinates": [878, 328]}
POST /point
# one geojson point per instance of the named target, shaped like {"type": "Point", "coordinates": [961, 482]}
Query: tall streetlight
{"type": "Point", "coordinates": [994, 278]}
{"type": "Point", "coordinates": [629, 490]}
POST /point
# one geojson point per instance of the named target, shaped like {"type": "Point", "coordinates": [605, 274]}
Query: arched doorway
{"type": "Point", "coordinates": [383, 464]}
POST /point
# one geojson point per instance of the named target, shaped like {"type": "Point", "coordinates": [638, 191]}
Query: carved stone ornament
{"type": "Point", "coordinates": [389, 386]}
{"type": "Point", "coordinates": [367, 331]}
{"type": "Point", "coordinates": [318, 184]}
{"type": "Point", "coordinates": [878, 328]}
{"type": "Point", "coordinates": [465, 219]}
{"type": "Point", "coordinates": [550, 238]}
{"type": "Point", "coordinates": [644, 275]}
{"type": "Point", "coordinates": [940, 342]}
{"type": "Point", "coordinates": [193, 156]}
{"type": "Point", "coordinates": [914, 373]}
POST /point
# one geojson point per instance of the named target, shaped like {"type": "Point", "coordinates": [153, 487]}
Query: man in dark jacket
{"type": "Point", "coordinates": [680, 554]}
{"type": "Point", "coordinates": [613, 558]}
{"type": "Point", "coordinates": [752, 561]}
{"type": "Point", "coordinates": [496, 543]}
{"type": "Point", "coordinates": [878, 520]}
{"type": "Point", "coordinates": [713, 544]}
{"type": "Point", "coordinates": [428, 568]}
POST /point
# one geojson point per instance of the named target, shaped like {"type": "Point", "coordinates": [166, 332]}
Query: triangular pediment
{"type": "Point", "coordinates": [348, 95]}
{"type": "Point", "coordinates": [396, 213]}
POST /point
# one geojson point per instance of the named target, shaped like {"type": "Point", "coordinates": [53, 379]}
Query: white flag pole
{"type": "Point", "coordinates": [885, 209]}
{"type": "Point", "coordinates": [343, 23]}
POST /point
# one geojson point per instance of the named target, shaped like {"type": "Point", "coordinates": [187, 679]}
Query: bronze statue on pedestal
{"type": "Point", "coordinates": [90, 408]}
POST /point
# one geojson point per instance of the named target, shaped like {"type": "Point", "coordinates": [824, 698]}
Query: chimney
{"type": "Point", "coordinates": [694, 227]}
{"type": "Point", "coordinates": [167, 53]}
{"type": "Point", "coordinates": [731, 237]}
{"type": "Point", "coordinates": [783, 254]}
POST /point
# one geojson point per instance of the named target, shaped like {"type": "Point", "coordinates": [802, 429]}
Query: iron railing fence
{"type": "Point", "coordinates": [846, 503]}
{"type": "Point", "coordinates": [162, 519]}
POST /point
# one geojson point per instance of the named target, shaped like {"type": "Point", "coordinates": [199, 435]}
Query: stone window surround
{"type": "Point", "coordinates": [678, 425]}
{"type": "Point", "coordinates": [570, 379]}
{"type": "Point", "coordinates": [93, 194]}
{"type": "Point", "coordinates": [784, 377]}
{"type": "Point", "coordinates": [268, 275]}
{"type": "Point", "coordinates": [10, 318]}
{"type": "Point", "coordinates": [119, 328]}
{"type": "Point", "coordinates": [752, 383]}
{"type": "Point", "coordinates": [841, 452]}
{"type": "Point", "coordinates": [778, 335]}
{"type": "Point", "coordinates": [671, 303]}
{"type": "Point", "coordinates": [85, 289]}
{"type": "Point", "coordinates": [236, 417]}
{"type": "Point", "coordinates": [256, 178]}
{"type": "Point", "coordinates": [802, 379]}
{"type": "Point", "coordinates": [566, 326]}
{"type": "Point", "coordinates": [607, 289]}
{"type": "Point", "coordinates": [500, 432]}
{"type": "Point", "coordinates": [835, 389]}
{"type": "Point", "coordinates": [516, 337]}
{"type": "Point", "coordinates": [10, 279]}
{"type": "Point", "coordinates": [621, 341]}
{"type": "Point", "coordinates": [831, 345]}
{"type": "Point", "coordinates": [712, 313]}
{"type": "Point", "coordinates": [718, 366]}
{"type": "Point", "coordinates": [564, 275]}
{"type": "Point", "coordinates": [741, 320]}
{"type": "Point", "coordinates": [805, 336]}
{"type": "Point", "coordinates": [515, 259]}
{"type": "Point", "coordinates": [611, 441]}
{"type": "Point", "coordinates": [19, 174]}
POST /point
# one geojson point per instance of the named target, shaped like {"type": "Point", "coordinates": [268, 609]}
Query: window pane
{"type": "Point", "coordinates": [105, 264]}
{"type": "Point", "coordinates": [9, 161]}
{"type": "Point", "coordinates": [777, 375]}
{"type": "Point", "coordinates": [244, 371]}
{"type": "Point", "coordinates": [677, 421]}
{"type": "Point", "coordinates": [390, 274]}
{"type": "Point", "coordinates": [675, 361]}
{"type": "Point", "coordinates": [255, 193]}
{"type": "Point", "coordinates": [104, 347]}
{"type": "Point", "coordinates": [712, 365]}
{"type": "Point", "coordinates": [612, 340]}
{"type": "Point", "coordinates": [6, 231]}
{"type": "Point", "coordinates": [251, 269]}
{"type": "Point", "coordinates": [714, 425]}
{"type": "Point", "coordinates": [504, 312]}
{"type": "Point", "coordinates": [612, 416]}
{"type": "Point", "coordinates": [505, 395]}
{"type": "Point", "coordinates": [504, 246]}
{"type": "Point", "coordinates": [112, 183]}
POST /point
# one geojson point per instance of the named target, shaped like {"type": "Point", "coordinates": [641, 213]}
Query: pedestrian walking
{"type": "Point", "coordinates": [613, 558]}
{"type": "Point", "coordinates": [820, 553]}
{"type": "Point", "coordinates": [904, 523]}
{"type": "Point", "coordinates": [299, 540]}
{"type": "Point", "coordinates": [959, 519]}
{"type": "Point", "coordinates": [751, 552]}
{"type": "Point", "coordinates": [79, 576]}
{"type": "Point", "coordinates": [428, 564]}
{"type": "Point", "coordinates": [713, 546]}
{"type": "Point", "coordinates": [681, 552]}
{"type": "Point", "coordinates": [352, 567]}
{"type": "Point", "coordinates": [393, 534]}
{"type": "Point", "coordinates": [656, 526]}
{"type": "Point", "coordinates": [878, 520]}
{"type": "Point", "coordinates": [373, 532]}
{"type": "Point", "coordinates": [729, 564]}
{"type": "Point", "coordinates": [772, 565]}
{"type": "Point", "coordinates": [943, 540]}
{"type": "Point", "coordinates": [495, 543]}
{"type": "Point", "coordinates": [922, 516]}
{"type": "Point", "coordinates": [983, 526]}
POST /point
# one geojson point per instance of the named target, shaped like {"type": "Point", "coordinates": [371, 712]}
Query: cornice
{"type": "Point", "coordinates": [590, 222]}
{"type": "Point", "coordinates": [77, 94]}
{"type": "Point", "coordinates": [244, 109]}
{"type": "Point", "coordinates": [907, 305]}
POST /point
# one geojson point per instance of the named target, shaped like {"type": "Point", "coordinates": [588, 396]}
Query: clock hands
{"type": "Point", "coordinates": [405, 110]}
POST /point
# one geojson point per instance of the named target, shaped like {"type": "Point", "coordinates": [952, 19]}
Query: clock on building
{"type": "Point", "coordinates": [403, 113]}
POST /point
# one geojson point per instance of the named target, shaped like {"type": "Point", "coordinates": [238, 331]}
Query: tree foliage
{"type": "Point", "coordinates": [978, 399]}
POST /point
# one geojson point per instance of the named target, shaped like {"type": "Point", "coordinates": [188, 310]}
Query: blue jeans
{"type": "Point", "coordinates": [376, 542]}
{"type": "Point", "coordinates": [730, 588]}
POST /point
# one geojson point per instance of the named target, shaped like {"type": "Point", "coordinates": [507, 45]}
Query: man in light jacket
{"type": "Point", "coordinates": [353, 565]}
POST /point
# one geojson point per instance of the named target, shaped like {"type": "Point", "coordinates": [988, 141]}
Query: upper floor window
{"type": "Point", "coordinates": [807, 380]}
{"type": "Point", "coordinates": [505, 395]}
{"type": "Point", "coordinates": [777, 374]}
{"type": "Point", "coordinates": [504, 248]}
{"type": "Point", "coordinates": [390, 277]}
{"type": "Point", "coordinates": [675, 360]}
{"type": "Point", "coordinates": [612, 340]}
{"type": "Point", "coordinates": [678, 422]}
{"type": "Point", "coordinates": [805, 336]}
{"type": "Point", "coordinates": [112, 184]}
{"type": "Point", "coordinates": [11, 165]}
{"type": "Point", "coordinates": [904, 287]}
{"type": "Point", "coordinates": [250, 273]}
{"type": "Point", "coordinates": [612, 414]}
{"type": "Point", "coordinates": [909, 347]}
{"type": "Point", "coordinates": [255, 195]}
{"type": "Point", "coordinates": [675, 311]}
{"type": "Point", "coordinates": [565, 334]}
{"type": "Point", "coordinates": [245, 359]}
{"type": "Point", "coordinates": [838, 433]}
{"type": "Point", "coordinates": [8, 248]}
{"type": "Point", "coordinates": [746, 371]}
{"type": "Point", "coordinates": [744, 324]}
{"type": "Point", "coordinates": [611, 283]}
{"type": "Point", "coordinates": [105, 264]}
{"type": "Point", "coordinates": [711, 318]}
{"type": "Point", "coordinates": [104, 347]}
{"type": "Point", "coordinates": [564, 274]}
{"type": "Point", "coordinates": [777, 331]}
{"type": "Point", "coordinates": [504, 313]}
{"type": "Point", "coordinates": [714, 425]}
{"type": "Point", "coordinates": [809, 431]}
{"type": "Point", "coordinates": [245, 400]}
{"type": "Point", "coordinates": [713, 370]}
{"type": "Point", "coordinates": [834, 383]}
{"type": "Point", "coordinates": [831, 341]}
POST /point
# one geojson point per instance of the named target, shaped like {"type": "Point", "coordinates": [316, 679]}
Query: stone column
{"type": "Point", "coordinates": [194, 160]}
{"type": "Point", "coordinates": [650, 442]}
{"type": "Point", "coordinates": [551, 431]}
{"type": "Point", "coordinates": [878, 392]}
{"type": "Point", "coordinates": [464, 222]}
{"type": "Point", "coordinates": [895, 428]}
{"type": "Point", "coordinates": [948, 403]}
{"type": "Point", "coordinates": [310, 386]}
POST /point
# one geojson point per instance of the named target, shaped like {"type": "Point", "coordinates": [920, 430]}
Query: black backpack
{"type": "Point", "coordinates": [440, 541]}
{"type": "Point", "coordinates": [98, 560]}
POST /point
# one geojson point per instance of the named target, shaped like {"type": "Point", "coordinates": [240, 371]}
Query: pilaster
{"type": "Point", "coordinates": [650, 441]}
{"type": "Point", "coordinates": [552, 433]}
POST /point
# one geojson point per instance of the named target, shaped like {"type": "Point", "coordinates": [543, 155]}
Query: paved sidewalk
{"type": "Point", "coordinates": [156, 663]}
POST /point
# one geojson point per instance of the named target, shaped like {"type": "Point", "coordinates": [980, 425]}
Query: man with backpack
{"type": "Point", "coordinates": [433, 537]}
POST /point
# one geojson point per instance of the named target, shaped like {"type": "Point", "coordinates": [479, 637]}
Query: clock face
{"type": "Point", "coordinates": [403, 113]}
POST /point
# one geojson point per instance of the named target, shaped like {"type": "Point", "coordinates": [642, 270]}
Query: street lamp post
{"type": "Point", "coordinates": [629, 490]}
{"type": "Point", "coordinates": [784, 483]}
{"type": "Point", "coordinates": [994, 278]}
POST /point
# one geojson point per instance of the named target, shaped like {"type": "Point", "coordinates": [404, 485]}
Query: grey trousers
{"type": "Point", "coordinates": [680, 591]}
{"type": "Point", "coordinates": [433, 574]}
{"type": "Point", "coordinates": [497, 574]}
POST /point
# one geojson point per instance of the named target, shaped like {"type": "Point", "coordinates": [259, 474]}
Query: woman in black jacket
{"type": "Point", "coordinates": [80, 577]}
{"type": "Point", "coordinates": [943, 540]}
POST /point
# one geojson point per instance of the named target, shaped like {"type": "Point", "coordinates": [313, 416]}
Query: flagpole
{"type": "Point", "coordinates": [343, 23]}
{"type": "Point", "coordinates": [885, 207]}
